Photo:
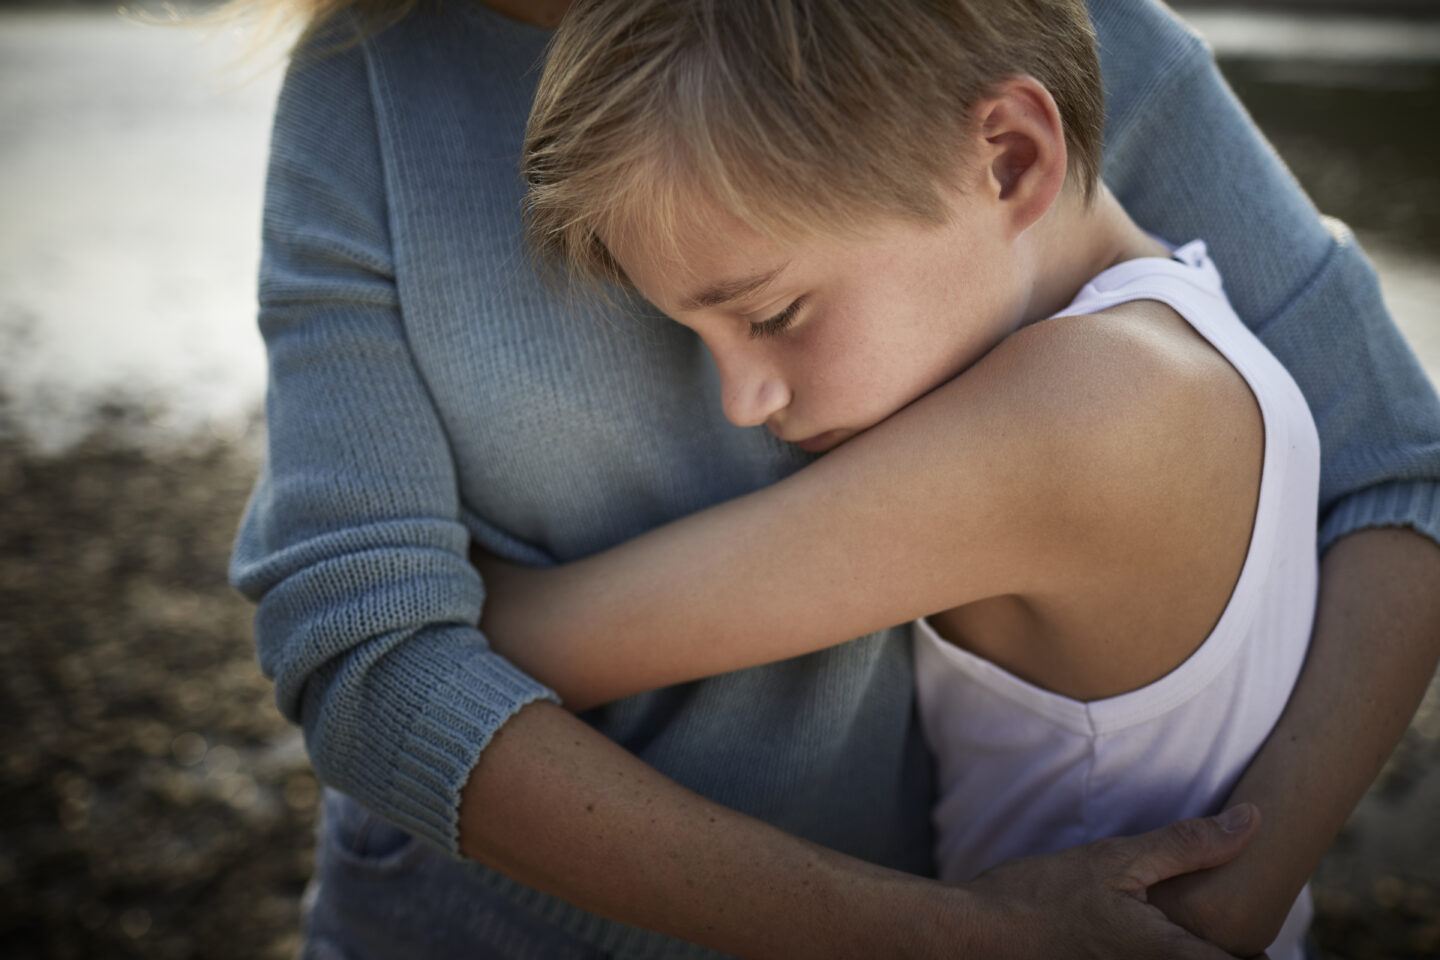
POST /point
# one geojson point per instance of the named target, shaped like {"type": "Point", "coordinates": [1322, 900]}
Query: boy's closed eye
{"type": "Point", "coordinates": [779, 323]}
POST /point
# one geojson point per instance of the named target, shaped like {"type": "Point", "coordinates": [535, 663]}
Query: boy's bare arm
{"type": "Point", "coordinates": [1373, 653]}
{"type": "Point", "coordinates": [557, 806]}
{"type": "Point", "coordinates": [1009, 479]}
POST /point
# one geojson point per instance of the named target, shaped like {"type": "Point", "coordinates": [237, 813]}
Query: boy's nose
{"type": "Point", "coordinates": [751, 391]}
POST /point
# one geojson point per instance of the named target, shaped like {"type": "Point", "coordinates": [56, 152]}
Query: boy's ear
{"type": "Point", "coordinates": [1023, 150]}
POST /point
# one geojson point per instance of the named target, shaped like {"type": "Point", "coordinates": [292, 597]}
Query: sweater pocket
{"type": "Point", "coordinates": [358, 838]}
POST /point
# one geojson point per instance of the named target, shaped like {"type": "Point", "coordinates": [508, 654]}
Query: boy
{"type": "Point", "coordinates": [866, 211]}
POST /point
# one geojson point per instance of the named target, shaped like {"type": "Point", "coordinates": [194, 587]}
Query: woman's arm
{"type": "Point", "coordinates": [1380, 594]}
{"type": "Point", "coordinates": [352, 546]}
{"type": "Point", "coordinates": [559, 807]}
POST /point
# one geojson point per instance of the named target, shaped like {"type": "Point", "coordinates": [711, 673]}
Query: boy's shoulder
{"type": "Point", "coordinates": [1137, 371]}
{"type": "Point", "coordinates": [1153, 447]}
{"type": "Point", "coordinates": [1157, 435]}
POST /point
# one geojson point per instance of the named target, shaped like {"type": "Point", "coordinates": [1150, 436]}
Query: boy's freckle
{"type": "Point", "coordinates": [589, 808]}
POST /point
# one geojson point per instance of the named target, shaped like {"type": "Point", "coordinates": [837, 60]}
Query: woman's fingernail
{"type": "Point", "coordinates": [1235, 819]}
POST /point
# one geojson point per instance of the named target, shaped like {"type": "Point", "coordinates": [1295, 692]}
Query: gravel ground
{"type": "Point", "coordinates": [155, 802]}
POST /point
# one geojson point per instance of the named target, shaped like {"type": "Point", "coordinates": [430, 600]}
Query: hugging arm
{"type": "Point", "coordinates": [1371, 657]}
{"type": "Point", "coordinates": [1010, 479]}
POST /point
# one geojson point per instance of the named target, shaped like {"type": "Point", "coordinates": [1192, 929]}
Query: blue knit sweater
{"type": "Point", "coordinates": [426, 389]}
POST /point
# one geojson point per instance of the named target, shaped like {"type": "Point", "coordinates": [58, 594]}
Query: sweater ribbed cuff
{"type": "Point", "coordinates": [1411, 503]}
{"type": "Point", "coordinates": [471, 693]}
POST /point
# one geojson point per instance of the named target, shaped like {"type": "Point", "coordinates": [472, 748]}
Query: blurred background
{"type": "Point", "coordinates": [152, 801]}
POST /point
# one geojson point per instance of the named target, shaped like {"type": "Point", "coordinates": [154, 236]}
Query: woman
{"type": "Point", "coordinates": [426, 391]}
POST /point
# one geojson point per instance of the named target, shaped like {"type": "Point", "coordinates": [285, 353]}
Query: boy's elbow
{"type": "Point", "coordinates": [1246, 935]}
{"type": "Point", "coordinates": [1230, 917]}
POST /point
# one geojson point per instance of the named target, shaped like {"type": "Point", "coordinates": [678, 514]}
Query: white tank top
{"type": "Point", "coordinates": [1021, 770]}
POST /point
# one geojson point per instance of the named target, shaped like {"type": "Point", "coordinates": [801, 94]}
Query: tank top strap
{"type": "Point", "coordinates": [1189, 272]}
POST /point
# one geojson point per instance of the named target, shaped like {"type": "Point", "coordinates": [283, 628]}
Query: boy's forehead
{"type": "Point", "coordinates": [699, 256]}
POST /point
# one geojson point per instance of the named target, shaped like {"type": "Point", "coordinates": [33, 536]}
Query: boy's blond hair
{"type": "Point", "coordinates": [792, 115]}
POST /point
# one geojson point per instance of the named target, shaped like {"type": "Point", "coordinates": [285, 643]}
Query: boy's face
{"type": "Point", "coordinates": [873, 323]}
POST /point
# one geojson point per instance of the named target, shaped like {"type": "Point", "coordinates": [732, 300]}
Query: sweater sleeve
{"type": "Point", "coordinates": [352, 544]}
{"type": "Point", "coordinates": [1186, 161]}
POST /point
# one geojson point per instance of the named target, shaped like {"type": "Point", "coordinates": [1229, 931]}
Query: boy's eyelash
{"type": "Point", "coordinates": [776, 324]}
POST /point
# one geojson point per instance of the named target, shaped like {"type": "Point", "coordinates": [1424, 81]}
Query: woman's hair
{"type": "Point", "coordinates": [313, 17]}
{"type": "Point", "coordinates": [792, 115]}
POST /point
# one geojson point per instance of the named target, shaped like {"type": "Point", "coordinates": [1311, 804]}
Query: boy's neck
{"type": "Point", "coordinates": [1074, 243]}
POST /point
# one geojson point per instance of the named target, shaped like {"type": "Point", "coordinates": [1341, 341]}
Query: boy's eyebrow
{"type": "Point", "coordinates": [727, 290]}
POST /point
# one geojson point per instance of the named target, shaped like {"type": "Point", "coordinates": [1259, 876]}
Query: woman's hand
{"type": "Point", "coordinates": [1092, 901]}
